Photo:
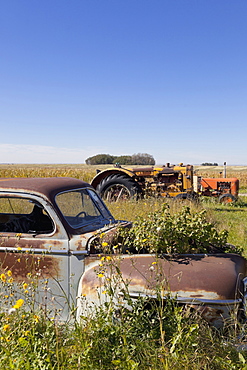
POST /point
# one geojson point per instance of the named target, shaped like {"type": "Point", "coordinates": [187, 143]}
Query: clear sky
{"type": "Point", "coordinates": [163, 77]}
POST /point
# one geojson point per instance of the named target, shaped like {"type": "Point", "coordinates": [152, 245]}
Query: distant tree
{"type": "Point", "coordinates": [209, 164]}
{"type": "Point", "coordinates": [143, 158]}
{"type": "Point", "coordinates": [100, 159]}
{"type": "Point", "coordinates": [123, 159]}
{"type": "Point", "coordinates": [140, 158]}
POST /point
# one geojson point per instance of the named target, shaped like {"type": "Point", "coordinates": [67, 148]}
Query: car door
{"type": "Point", "coordinates": [34, 261]}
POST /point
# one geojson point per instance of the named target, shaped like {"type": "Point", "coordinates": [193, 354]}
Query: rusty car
{"type": "Point", "coordinates": [51, 230]}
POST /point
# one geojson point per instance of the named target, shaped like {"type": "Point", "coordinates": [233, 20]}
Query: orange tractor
{"type": "Point", "coordinates": [173, 181]}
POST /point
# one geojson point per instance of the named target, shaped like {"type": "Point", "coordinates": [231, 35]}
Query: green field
{"type": "Point", "coordinates": [165, 337]}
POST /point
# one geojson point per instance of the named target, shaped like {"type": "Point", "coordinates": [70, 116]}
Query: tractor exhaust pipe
{"type": "Point", "coordinates": [224, 173]}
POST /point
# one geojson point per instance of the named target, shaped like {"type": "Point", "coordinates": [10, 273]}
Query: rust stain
{"type": "Point", "coordinates": [21, 264]}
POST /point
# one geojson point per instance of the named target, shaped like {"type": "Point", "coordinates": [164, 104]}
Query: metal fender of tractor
{"type": "Point", "coordinates": [110, 171]}
{"type": "Point", "coordinates": [213, 284]}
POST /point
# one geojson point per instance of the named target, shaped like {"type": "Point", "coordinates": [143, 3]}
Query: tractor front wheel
{"type": "Point", "coordinates": [118, 187]}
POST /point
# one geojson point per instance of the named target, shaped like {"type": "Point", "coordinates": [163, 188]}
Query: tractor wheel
{"type": "Point", "coordinates": [188, 196]}
{"type": "Point", "coordinates": [227, 198]}
{"type": "Point", "coordinates": [118, 187]}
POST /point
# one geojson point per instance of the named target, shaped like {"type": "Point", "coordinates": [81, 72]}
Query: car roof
{"type": "Point", "coordinates": [44, 186]}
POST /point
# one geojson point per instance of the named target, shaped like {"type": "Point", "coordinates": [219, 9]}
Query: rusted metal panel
{"type": "Point", "coordinates": [192, 279]}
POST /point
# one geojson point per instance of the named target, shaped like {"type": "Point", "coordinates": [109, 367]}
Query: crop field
{"type": "Point", "coordinates": [167, 337]}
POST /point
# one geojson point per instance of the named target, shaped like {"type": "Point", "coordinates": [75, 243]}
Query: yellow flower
{"type": "Point", "coordinates": [24, 286]}
{"type": "Point", "coordinates": [36, 318]}
{"type": "Point", "coordinates": [108, 258]}
{"type": "Point", "coordinates": [26, 333]}
{"type": "Point", "coordinates": [18, 260]}
{"type": "Point", "coordinates": [6, 327]}
{"type": "Point", "coordinates": [10, 280]}
{"type": "Point", "coordinates": [104, 292]}
{"type": "Point", "coordinates": [19, 248]}
{"type": "Point", "coordinates": [102, 258]}
{"type": "Point", "coordinates": [104, 244]}
{"type": "Point", "coordinates": [100, 275]}
{"type": "Point", "coordinates": [154, 263]}
{"type": "Point", "coordinates": [3, 277]}
{"type": "Point", "coordinates": [19, 303]}
{"type": "Point", "coordinates": [101, 235]}
{"type": "Point", "coordinates": [9, 273]}
{"type": "Point", "coordinates": [29, 274]}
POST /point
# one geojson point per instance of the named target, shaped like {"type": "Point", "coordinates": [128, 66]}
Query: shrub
{"type": "Point", "coordinates": [183, 232]}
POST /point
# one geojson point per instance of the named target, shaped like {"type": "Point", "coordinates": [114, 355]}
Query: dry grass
{"type": "Point", "coordinates": [232, 171]}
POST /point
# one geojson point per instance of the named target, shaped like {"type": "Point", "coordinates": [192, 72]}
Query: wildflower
{"type": "Point", "coordinates": [3, 278]}
{"type": "Point", "coordinates": [144, 240]}
{"type": "Point", "coordinates": [9, 273]}
{"type": "Point", "coordinates": [104, 292]}
{"type": "Point", "coordinates": [18, 260]}
{"type": "Point", "coordinates": [29, 274]}
{"type": "Point", "coordinates": [102, 235]}
{"type": "Point", "coordinates": [108, 258]}
{"type": "Point", "coordinates": [102, 258]}
{"type": "Point", "coordinates": [104, 244]}
{"type": "Point", "coordinates": [19, 248]}
{"type": "Point", "coordinates": [6, 327]}
{"type": "Point", "coordinates": [100, 275]}
{"type": "Point", "coordinates": [84, 295]}
{"type": "Point", "coordinates": [19, 303]}
{"type": "Point", "coordinates": [26, 333]}
{"type": "Point", "coordinates": [154, 263]}
{"type": "Point", "coordinates": [10, 281]}
{"type": "Point", "coordinates": [18, 236]}
{"type": "Point", "coordinates": [36, 318]}
{"type": "Point", "coordinates": [24, 286]}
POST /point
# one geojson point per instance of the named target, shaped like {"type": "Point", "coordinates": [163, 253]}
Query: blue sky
{"type": "Point", "coordinates": [83, 77]}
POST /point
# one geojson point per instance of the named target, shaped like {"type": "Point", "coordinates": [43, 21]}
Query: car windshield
{"type": "Point", "coordinates": [82, 207]}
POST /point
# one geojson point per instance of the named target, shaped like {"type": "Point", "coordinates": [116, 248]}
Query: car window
{"type": "Point", "coordinates": [23, 215]}
{"type": "Point", "coordinates": [78, 208]}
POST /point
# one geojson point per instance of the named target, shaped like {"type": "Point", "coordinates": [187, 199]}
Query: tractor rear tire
{"type": "Point", "coordinates": [118, 187]}
{"type": "Point", "coordinates": [227, 198]}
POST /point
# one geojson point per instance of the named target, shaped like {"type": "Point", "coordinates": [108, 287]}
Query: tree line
{"type": "Point", "coordinates": [135, 159]}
